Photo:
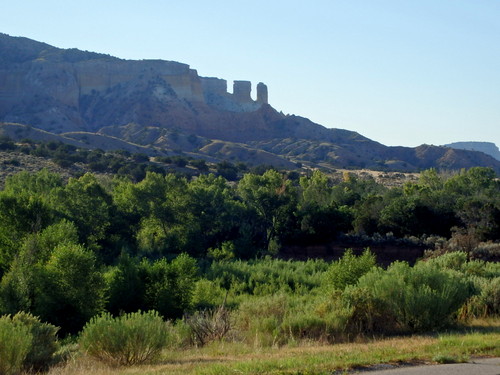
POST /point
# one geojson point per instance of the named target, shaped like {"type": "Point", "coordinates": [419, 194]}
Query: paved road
{"type": "Point", "coordinates": [480, 366]}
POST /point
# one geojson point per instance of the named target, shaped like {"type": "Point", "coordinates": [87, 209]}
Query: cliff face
{"type": "Point", "coordinates": [63, 91]}
{"type": "Point", "coordinates": [66, 90]}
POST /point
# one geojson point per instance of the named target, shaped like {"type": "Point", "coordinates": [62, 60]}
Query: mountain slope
{"type": "Point", "coordinates": [488, 148]}
{"type": "Point", "coordinates": [163, 106]}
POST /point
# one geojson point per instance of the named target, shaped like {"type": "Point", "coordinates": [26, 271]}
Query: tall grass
{"type": "Point", "coordinates": [309, 358]}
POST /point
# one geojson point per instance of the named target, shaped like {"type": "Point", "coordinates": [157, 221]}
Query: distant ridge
{"type": "Point", "coordinates": [488, 148]}
{"type": "Point", "coordinates": [165, 107]}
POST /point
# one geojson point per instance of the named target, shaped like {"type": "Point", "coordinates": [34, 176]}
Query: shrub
{"type": "Point", "coordinates": [458, 261]}
{"type": "Point", "coordinates": [180, 335]}
{"type": "Point", "coordinates": [126, 340]}
{"type": "Point", "coordinates": [487, 251]}
{"type": "Point", "coordinates": [259, 319]}
{"type": "Point", "coordinates": [348, 269]}
{"type": "Point", "coordinates": [210, 325]}
{"type": "Point", "coordinates": [15, 344]}
{"type": "Point", "coordinates": [367, 314]}
{"type": "Point", "coordinates": [320, 318]}
{"type": "Point", "coordinates": [207, 294]}
{"type": "Point", "coordinates": [44, 343]}
{"type": "Point", "coordinates": [419, 298]}
{"type": "Point", "coordinates": [304, 326]}
{"type": "Point", "coordinates": [337, 315]}
{"type": "Point", "coordinates": [267, 276]}
{"type": "Point", "coordinates": [453, 260]}
{"type": "Point", "coordinates": [492, 296]}
{"type": "Point", "coordinates": [487, 303]}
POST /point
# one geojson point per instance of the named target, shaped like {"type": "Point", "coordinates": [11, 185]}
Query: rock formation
{"type": "Point", "coordinates": [262, 93]}
{"type": "Point", "coordinates": [488, 148]}
{"type": "Point", "coordinates": [58, 89]}
{"type": "Point", "coordinates": [100, 98]}
{"type": "Point", "coordinates": [217, 97]}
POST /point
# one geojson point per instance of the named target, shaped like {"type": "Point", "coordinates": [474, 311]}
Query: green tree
{"type": "Point", "coordinates": [19, 216]}
{"type": "Point", "coordinates": [212, 213]}
{"type": "Point", "coordinates": [26, 183]}
{"type": "Point", "coordinates": [227, 170]}
{"type": "Point", "coordinates": [367, 214]}
{"type": "Point", "coordinates": [320, 217]}
{"type": "Point", "coordinates": [126, 288]}
{"type": "Point", "coordinates": [169, 286]}
{"type": "Point", "coordinates": [154, 208]}
{"type": "Point", "coordinates": [352, 189]}
{"type": "Point", "coordinates": [72, 289]}
{"type": "Point", "coordinates": [273, 198]}
{"type": "Point", "coordinates": [85, 202]}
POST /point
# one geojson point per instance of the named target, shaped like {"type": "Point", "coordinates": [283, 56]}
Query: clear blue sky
{"type": "Point", "coordinates": [401, 72]}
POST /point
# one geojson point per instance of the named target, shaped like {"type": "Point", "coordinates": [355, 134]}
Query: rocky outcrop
{"type": "Point", "coordinates": [217, 97]}
{"type": "Point", "coordinates": [81, 95]}
{"type": "Point", "coordinates": [262, 93]}
{"type": "Point", "coordinates": [60, 90]}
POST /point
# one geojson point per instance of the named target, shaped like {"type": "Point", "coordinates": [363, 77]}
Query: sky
{"type": "Point", "coordinates": [400, 72]}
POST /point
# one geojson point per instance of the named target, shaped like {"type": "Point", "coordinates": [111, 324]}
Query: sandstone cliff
{"type": "Point", "coordinates": [67, 90]}
{"type": "Point", "coordinates": [165, 105]}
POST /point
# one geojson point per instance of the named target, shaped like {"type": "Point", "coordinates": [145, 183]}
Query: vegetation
{"type": "Point", "coordinates": [86, 255]}
{"type": "Point", "coordinates": [126, 340]}
{"type": "Point", "coordinates": [15, 344]}
{"type": "Point", "coordinates": [26, 344]}
{"type": "Point", "coordinates": [220, 358]}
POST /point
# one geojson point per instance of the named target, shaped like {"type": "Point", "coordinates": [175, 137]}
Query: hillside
{"type": "Point", "coordinates": [99, 101]}
{"type": "Point", "coordinates": [488, 148]}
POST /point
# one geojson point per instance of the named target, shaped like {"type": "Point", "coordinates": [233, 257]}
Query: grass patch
{"type": "Point", "coordinates": [480, 339]}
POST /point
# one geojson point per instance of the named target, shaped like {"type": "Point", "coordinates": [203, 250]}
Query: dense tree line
{"type": "Point", "coordinates": [69, 250]}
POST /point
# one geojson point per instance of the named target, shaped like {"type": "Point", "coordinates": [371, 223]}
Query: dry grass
{"type": "Point", "coordinates": [308, 358]}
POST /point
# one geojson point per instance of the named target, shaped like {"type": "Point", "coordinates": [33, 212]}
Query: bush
{"type": "Point", "coordinates": [207, 294]}
{"type": "Point", "coordinates": [267, 276]}
{"type": "Point", "coordinates": [210, 325]}
{"type": "Point", "coordinates": [126, 340]}
{"type": "Point", "coordinates": [305, 326]}
{"type": "Point", "coordinates": [492, 297]}
{"type": "Point", "coordinates": [337, 315]}
{"type": "Point", "coordinates": [419, 298]}
{"type": "Point", "coordinates": [44, 343]}
{"type": "Point", "coordinates": [347, 270]}
{"type": "Point", "coordinates": [366, 313]}
{"type": "Point", "coordinates": [15, 344]}
{"type": "Point", "coordinates": [487, 303]}
{"type": "Point", "coordinates": [489, 251]}
{"type": "Point", "coordinates": [259, 320]}
{"type": "Point", "coordinates": [180, 335]}
{"type": "Point", "coordinates": [453, 260]}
